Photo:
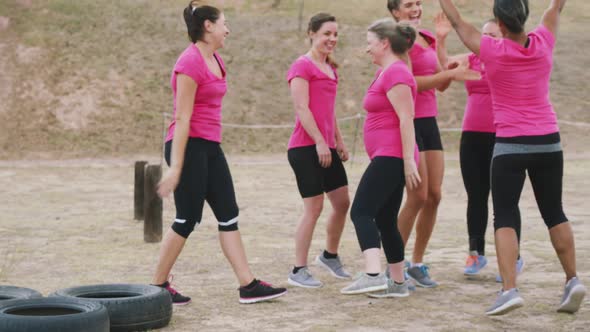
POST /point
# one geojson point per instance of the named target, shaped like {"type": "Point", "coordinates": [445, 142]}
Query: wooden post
{"type": "Point", "coordinates": [152, 227]}
{"type": "Point", "coordinates": [138, 190]}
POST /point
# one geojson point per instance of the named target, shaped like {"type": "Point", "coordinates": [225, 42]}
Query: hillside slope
{"type": "Point", "coordinates": [91, 78]}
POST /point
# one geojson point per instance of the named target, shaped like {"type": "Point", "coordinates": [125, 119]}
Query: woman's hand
{"type": "Point", "coordinates": [411, 173]}
{"type": "Point", "coordinates": [462, 73]}
{"type": "Point", "coordinates": [442, 26]}
{"type": "Point", "coordinates": [342, 151]}
{"type": "Point", "coordinates": [324, 154]}
{"type": "Point", "coordinates": [168, 182]}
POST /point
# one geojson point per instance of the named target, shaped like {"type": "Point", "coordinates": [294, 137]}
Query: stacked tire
{"type": "Point", "coordinates": [131, 307]}
{"type": "Point", "coordinates": [97, 308]}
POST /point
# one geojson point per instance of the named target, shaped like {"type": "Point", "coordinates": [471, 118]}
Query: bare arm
{"type": "Point", "coordinates": [300, 97]}
{"type": "Point", "coordinates": [551, 16]}
{"type": "Point", "coordinates": [400, 97]}
{"type": "Point", "coordinates": [442, 29]}
{"type": "Point", "coordinates": [468, 33]}
{"type": "Point", "coordinates": [439, 81]}
{"type": "Point", "coordinates": [185, 100]}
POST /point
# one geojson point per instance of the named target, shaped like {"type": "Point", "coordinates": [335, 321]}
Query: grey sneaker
{"type": "Point", "coordinates": [393, 290]}
{"type": "Point", "coordinates": [573, 295]}
{"type": "Point", "coordinates": [506, 302]}
{"type": "Point", "coordinates": [366, 284]}
{"type": "Point", "coordinates": [303, 279]}
{"type": "Point", "coordinates": [421, 277]}
{"type": "Point", "coordinates": [334, 265]}
{"type": "Point", "coordinates": [407, 279]}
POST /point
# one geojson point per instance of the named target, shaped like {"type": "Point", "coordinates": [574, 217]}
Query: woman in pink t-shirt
{"type": "Point", "coordinates": [518, 67]}
{"type": "Point", "coordinates": [390, 143]}
{"type": "Point", "coordinates": [477, 145]}
{"type": "Point", "coordinates": [423, 202]}
{"type": "Point", "coordinates": [316, 150]}
{"type": "Point", "coordinates": [198, 170]}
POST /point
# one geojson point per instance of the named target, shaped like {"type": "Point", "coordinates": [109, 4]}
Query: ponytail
{"type": "Point", "coordinates": [195, 17]}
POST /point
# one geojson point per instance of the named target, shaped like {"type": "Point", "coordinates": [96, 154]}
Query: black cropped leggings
{"type": "Point", "coordinates": [476, 158]}
{"type": "Point", "coordinates": [376, 205]}
{"type": "Point", "coordinates": [542, 158]}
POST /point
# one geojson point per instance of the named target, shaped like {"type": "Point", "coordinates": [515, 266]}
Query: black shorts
{"type": "Point", "coordinates": [427, 134]}
{"type": "Point", "coordinates": [312, 178]}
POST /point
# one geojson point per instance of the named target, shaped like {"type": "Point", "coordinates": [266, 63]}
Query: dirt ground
{"type": "Point", "coordinates": [69, 223]}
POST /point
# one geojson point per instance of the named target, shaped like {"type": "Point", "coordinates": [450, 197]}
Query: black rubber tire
{"type": "Point", "coordinates": [131, 307]}
{"type": "Point", "coordinates": [13, 293]}
{"type": "Point", "coordinates": [53, 315]}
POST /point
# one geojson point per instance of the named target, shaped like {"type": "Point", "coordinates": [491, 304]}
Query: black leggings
{"type": "Point", "coordinates": [205, 176]}
{"type": "Point", "coordinates": [376, 206]}
{"type": "Point", "coordinates": [476, 159]}
{"type": "Point", "coordinates": [542, 158]}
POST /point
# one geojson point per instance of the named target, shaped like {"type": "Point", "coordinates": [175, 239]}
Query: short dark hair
{"type": "Point", "coordinates": [401, 36]}
{"type": "Point", "coordinates": [512, 13]}
{"type": "Point", "coordinates": [393, 4]}
{"type": "Point", "coordinates": [195, 17]}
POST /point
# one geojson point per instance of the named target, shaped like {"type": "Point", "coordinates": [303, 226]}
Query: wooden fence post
{"type": "Point", "coordinates": [138, 190]}
{"type": "Point", "coordinates": [152, 227]}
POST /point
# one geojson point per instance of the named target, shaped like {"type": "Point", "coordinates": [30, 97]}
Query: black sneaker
{"type": "Point", "coordinates": [177, 298]}
{"type": "Point", "coordinates": [261, 291]}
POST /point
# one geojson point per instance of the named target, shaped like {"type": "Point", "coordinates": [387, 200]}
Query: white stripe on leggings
{"type": "Point", "coordinates": [228, 223]}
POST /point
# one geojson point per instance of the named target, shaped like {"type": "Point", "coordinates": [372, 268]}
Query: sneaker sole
{"type": "Point", "coordinates": [423, 285]}
{"type": "Point", "coordinates": [295, 283]}
{"type": "Point", "coordinates": [574, 301]}
{"type": "Point", "coordinates": [182, 303]}
{"type": "Point", "coordinates": [261, 299]}
{"type": "Point", "coordinates": [383, 296]}
{"type": "Point", "coordinates": [507, 307]}
{"type": "Point", "coordinates": [319, 262]}
{"type": "Point", "coordinates": [476, 273]}
{"type": "Point", "coordinates": [365, 290]}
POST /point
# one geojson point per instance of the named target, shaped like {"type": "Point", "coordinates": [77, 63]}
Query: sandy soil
{"type": "Point", "coordinates": [68, 223]}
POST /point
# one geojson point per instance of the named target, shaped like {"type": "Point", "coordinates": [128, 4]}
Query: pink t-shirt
{"type": "Point", "coordinates": [322, 99]}
{"type": "Point", "coordinates": [478, 111]}
{"type": "Point", "coordinates": [382, 132]}
{"type": "Point", "coordinates": [425, 63]}
{"type": "Point", "coordinates": [206, 117]}
{"type": "Point", "coordinates": [519, 82]}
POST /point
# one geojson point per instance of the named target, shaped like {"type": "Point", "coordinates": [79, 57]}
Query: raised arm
{"type": "Point", "coordinates": [300, 97]}
{"type": "Point", "coordinates": [185, 99]}
{"type": "Point", "coordinates": [468, 33]}
{"type": "Point", "coordinates": [442, 27]}
{"type": "Point", "coordinates": [400, 97]}
{"type": "Point", "coordinates": [551, 17]}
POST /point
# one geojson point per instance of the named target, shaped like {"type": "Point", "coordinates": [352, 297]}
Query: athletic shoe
{"type": "Point", "coordinates": [421, 277]}
{"type": "Point", "coordinates": [573, 295]}
{"type": "Point", "coordinates": [474, 264]}
{"type": "Point", "coordinates": [506, 302]}
{"type": "Point", "coordinates": [334, 265]}
{"type": "Point", "coordinates": [407, 279]}
{"type": "Point", "coordinates": [393, 290]}
{"type": "Point", "coordinates": [261, 291]}
{"type": "Point", "coordinates": [177, 298]}
{"type": "Point", "coordinates": [519, 268]}
{"type": "Point", "coordinates": [366, 284]}
{"type": "Point", "coordinates": [303, 279]}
